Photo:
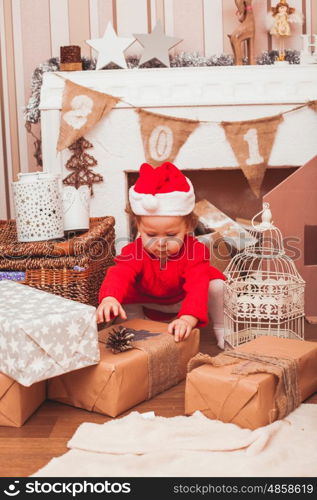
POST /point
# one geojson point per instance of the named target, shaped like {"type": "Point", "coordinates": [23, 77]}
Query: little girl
{"type": "Point", "coordinates": [165, 274]}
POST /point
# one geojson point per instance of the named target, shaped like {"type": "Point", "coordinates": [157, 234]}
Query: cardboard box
{"type": "Point", "coordinates": [248, 401]}
{"type": "Point", "coordinates": [294, 207]}
{"type": "Point", "coordinates": [220, 255]}
{"type": "Point", "coordinates": [121, 381]}
{"type": "Point", "coordinates": [212, 218]}
{"type": "Point", "coordinates": [17, 403]}
{"type": "Point", "coordinates": [43, 335]}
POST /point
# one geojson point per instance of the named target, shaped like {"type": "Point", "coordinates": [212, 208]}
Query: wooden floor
{"type": "Point", "coordinates": [45, 435]}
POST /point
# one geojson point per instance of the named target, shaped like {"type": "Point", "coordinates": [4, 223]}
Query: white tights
{"type": "Point", "coordinates": [215, 309]}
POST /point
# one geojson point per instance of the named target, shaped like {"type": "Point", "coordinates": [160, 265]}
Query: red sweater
{"type": "Point", "coordinates": [137, 278]}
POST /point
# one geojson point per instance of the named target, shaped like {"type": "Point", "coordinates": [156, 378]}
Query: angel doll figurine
{"type": "Point", "coordinates": [279, 21]}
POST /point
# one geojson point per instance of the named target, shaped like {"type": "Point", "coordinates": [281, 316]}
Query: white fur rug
{"type": "Point", "coordinates": [146, 445]}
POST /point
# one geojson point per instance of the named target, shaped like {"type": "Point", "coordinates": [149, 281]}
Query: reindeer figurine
{"type": "Point", "coordinates": [244, 33]}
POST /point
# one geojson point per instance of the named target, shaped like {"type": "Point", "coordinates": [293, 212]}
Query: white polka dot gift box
{"type": "Point", "coordinates": [43, 335]}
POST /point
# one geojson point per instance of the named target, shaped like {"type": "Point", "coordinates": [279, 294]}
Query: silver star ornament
{"type": "Point", "coordinates": [156, 45]}
{"type": "Point", "coordinates": [110, 48]}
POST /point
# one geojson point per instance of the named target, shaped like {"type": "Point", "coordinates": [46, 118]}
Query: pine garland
{"type": "Point", "coordinates": [269, 57]}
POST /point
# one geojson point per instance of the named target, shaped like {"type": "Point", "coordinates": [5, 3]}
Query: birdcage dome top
{"type": "Point", "coordinates": [267, 239]}
{"type": "Point", "coordinates": [265, 259]}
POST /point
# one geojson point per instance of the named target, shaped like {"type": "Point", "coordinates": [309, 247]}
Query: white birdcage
{"type": "Point", "coordinates": [264, 293]}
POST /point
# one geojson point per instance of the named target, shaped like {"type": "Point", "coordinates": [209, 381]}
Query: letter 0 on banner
{"type": "Point", "coordinates": [163, 135]}
{"type": "Point", "coordinates": [161, 143]}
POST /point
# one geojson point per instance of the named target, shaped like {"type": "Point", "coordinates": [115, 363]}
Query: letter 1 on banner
{"type": "Point", "coordinates": [252, 143]}
{"type": "Point", "coordinates": [254, 155]}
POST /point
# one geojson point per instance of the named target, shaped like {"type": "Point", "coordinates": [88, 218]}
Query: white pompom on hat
{"type": "Point", "coordinates": [163, 190]}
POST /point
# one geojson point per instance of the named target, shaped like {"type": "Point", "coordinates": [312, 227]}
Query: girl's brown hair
{"type": "Point", "coordinates": [191, 220]}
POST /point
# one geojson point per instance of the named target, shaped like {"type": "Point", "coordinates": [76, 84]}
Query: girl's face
{"type": "Point", "coordinates": [162, 236]}
{"type": "Point", "coordinates": [282, 9]}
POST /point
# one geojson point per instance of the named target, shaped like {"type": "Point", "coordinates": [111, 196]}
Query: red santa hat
{"type": "Point", "coordinates": [163, 190]}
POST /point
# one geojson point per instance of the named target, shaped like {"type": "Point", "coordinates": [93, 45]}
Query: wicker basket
{"type": "Point", "coordinates": [49, 264]}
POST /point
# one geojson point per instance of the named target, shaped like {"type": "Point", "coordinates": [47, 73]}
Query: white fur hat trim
{"type": "Point", "coordinates": [174, 203]}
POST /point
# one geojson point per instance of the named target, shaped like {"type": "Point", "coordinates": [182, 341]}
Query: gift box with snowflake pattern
{"type": "Point", "coordinates": [43, 335]}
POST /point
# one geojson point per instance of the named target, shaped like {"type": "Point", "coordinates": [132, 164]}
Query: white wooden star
{"type": "Point", "coordinates": [156, 45]}
{"type": "Point", "coordinates": [110, 48]}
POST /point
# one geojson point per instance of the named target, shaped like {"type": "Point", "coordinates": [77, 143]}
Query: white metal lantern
{"type": "Point", "coordinates": [38, 206]}
{"type": "Point", "coordinates": [264, 293]}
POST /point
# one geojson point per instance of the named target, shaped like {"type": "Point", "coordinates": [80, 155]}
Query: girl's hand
{"type": "Point", "coordinates": [108, 306]}
{"type": "Point", "coordinates": [182, 327]}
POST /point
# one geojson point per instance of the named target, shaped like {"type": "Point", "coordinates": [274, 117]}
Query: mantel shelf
{"type": "Point", "coordinates": [199, 86]}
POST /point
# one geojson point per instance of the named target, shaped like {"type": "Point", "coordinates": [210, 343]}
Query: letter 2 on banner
{"type": "Point", "coordinates": [163, 135]}
{"type": "Point", "coordinates": [252, 143]}
{"type": "Point", "coordinates": [161, 143]}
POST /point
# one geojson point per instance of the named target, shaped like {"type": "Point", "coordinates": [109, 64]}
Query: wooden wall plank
{"type": "Point", "coordinates": [153, 17]}
{"type": "Point", "coordinates": [19, 83]}
{"type": "Point", "coordinates": [11, 109]}
{"type": "Point", "coordinates": [59, 25]}
{"type": "Point", "coordinates": [230, 23]}
{"type": "Point", "coordinates": [79, 24]}
{"type": "Point", "coordinates": [307, 11]}
{"type": "Point", "coordinates": [294, 41]}
{"type": "Point", "coordinates": [169, 17]}
{"type": "Point", "coordinates": [160, 14]}
{"type": "Point", "coordinates": [106, 11]}
{"type": "Point", "coordinates": [314, 17]}
{"type": "Point", "coordinates": [36, 50]}
{"type": "Point", "coordinates": [261, 36]}
{"type": "Point", "coordinates": [4, 188]}
{"type": "Point", "coordinates": [213, 27]}
{"type": "Point", "coordinates": [93, 19]}
{"type": "Point", "coordinates": [6, 153]}
{"type": "Point", "coordinates": [132, 17]}
{"type": "Point", "coordinates": [189, 13]}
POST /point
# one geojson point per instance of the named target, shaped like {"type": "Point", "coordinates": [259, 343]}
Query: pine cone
{"type": "Point", "coordinates": [120, 340]}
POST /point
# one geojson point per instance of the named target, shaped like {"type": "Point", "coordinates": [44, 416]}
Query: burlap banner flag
{"type": "Point", "coordinates": [82, 108]}
{"type": "Point", "coordinates": [313, 105]}
{"type": "Point", "coordinates": [163, 136]}
{"type": "Point", "coordinates": [252, 143]}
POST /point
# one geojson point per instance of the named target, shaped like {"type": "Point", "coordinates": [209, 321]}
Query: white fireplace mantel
{"type": "Point", "coordinates": [213, 94]}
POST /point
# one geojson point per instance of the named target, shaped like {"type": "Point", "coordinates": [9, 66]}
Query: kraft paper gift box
{"type": "Point", "coordinates": [43, 335]}
{"type": "Point", "coordinates": [249, 400]}
{"type": "Point", "coordinates": [123, 380]}
{"type": "Point", "coordinates": [17, 403]}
